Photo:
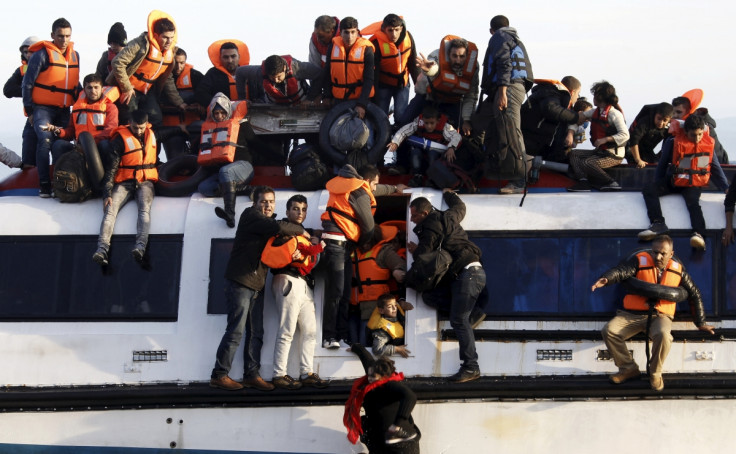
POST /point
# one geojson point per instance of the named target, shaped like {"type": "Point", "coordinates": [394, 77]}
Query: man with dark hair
{"type": "Point", "coordinates": [648, 129]}
{"type": "Point", "coordinates": [278, 80]}
{"type": "Point", "coordinates": [325, 28]}
{"type": "Point", "coordinates": [50, 87]}
{"type": "Point", "coordinates": [685, 167]}
{"type": "Point", "coordinates": [436, 228]}
{"type": "Point", "coordinates": [394, 57]}
{"type": "Point", "coordinates": [655, 266]}
{"type": "Point", "coordinates": [246, 277]}
{"type": "Point", "coordinates": [226, 55]}
{"type": "Point", "coordinates": [143, 68]}
{"type": "Point", "coordinates": [347, 223]}
{"type": "Point", "coordinates": [292, 259]}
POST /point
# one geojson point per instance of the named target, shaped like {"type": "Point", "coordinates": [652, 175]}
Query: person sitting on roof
{"type": "Point", "coordinates": [646, 132]}
{"type": "Point", "coordinates": [117, 38]}
{"type": "Point", "coordinates": [325, 28]}
{"type": "Point", "coordinates": [226, 55]}
{"type": "Point", "coordinates": [279, 79]}
{"type": "Point", "coordinates": [13, 88]}
{"type": "Point", "coordinates": [684, 106]}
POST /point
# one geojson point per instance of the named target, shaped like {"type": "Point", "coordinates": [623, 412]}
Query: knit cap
{"type": "Point", "coordinates": [117, 34]}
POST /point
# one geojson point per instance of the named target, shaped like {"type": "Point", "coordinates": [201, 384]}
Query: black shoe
{"type": "Point", "coordinates": [657, 228]}
{"type": "Point", "coordinates": [45, 190]}
{"type": "Point", "coordinates": [400, 435]}
{"type": "Point", "coordinates": [464, 375]}
{"type": "Point", "coordinates": [227, 216]}
{"type": "Point", "coordinates": [417, 181]}
{"type": "Point", "coordinates": [580, 186]}
{"type": "Point", "coordinates": [100, 257]}
{"type": "Point", "coordinates": [138, 253]}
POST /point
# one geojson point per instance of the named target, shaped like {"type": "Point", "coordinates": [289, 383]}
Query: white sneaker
{"type": "Point", "coordinates": [330, 344]}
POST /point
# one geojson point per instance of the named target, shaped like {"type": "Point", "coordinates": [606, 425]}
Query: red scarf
{"type": "Point", "coordinates": [361, 387]}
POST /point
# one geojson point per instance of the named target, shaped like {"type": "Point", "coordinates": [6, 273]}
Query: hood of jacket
{"type": "Point", "coordinates": [220, 100]}
{"type": "Point", "coordinates": [348, 171]}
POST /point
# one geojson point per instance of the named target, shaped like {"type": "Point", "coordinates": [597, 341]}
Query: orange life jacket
{"type": "Point", "coordinates": [448, 87]}
{"type": "Point", "coordinates": [369, 280]}
{"type": "Point", "coordinates": [91, 117]}
{"type": "Point", "coordinates": [278, 251]}
{"type": "Point", "coordinates": [138, 161]}
{"type": "Point", "coordinates": [647, 272]}
{"type": "Point", "coordinates": [346, 68]}
{"type": "Point", "coordinates": [220, 139]}
{"type": "Point", "coordinates": [184, 85]}
{"type": "Point", "coordinates": [155, 62]}
{"type": "Point", "coordinates": [691, 160]}
{"type": "Point", "coordinates": [339, 210]}
{"type": "Point", "coordinates": [295, 89]}
{"type": "Point", "coordinates": [393, 69]}
{"type": "Point", "coordinates": [57, 84]}
{"type": "Point", "coordinates": [214, 53]}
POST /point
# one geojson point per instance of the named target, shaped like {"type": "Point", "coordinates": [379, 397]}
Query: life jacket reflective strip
{"type": "Point", "coordinates": [153, 65]}
{"type": "Point", "coordinates": [295, 89]}
{"type": "Point", "coordinates": [436, 135]}
{"type": "Point", "coordinates": [138, 161]}
{"type": "Point", "coordinates": [23, 68]}
{"type": "Point", "coordinates": [447, 86]}
{"type": "Point", "coordinates": [394, 329]}
{"type": "Point", "coordinates": [647, 272]}
{"type": "Point", "coordinates": [346, 70]}
{"type": "Point", "coordinates": [184, 80]}
{"type": "Point", "coordinates": [323, 48]}
{"type": "Point", "coordinates": [57, 84]}
{"type": "Point", "coordinates": [371, 280]}
{"type": "Point", "coordinates": [278, 251]}
{"type": "Point", "coordinates": [339, 210]}
{"type": "Point", "coordinates": [214, 53]}
{"type": "Point", "coordinates": [692, 161]}
{"type": "Point", "coordinates": [394, 66]}
{"type": "Point", "coordinates": [219, 140]}
{"type": "Point", "coordinates": [91, 117]}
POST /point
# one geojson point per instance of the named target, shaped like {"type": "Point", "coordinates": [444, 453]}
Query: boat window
{"type": "Point", "coordinates": [52, 278]}
{"type": "Point", "coordinates": [550, 277]}
{"type": "Point", "coordinates": [219, 255]}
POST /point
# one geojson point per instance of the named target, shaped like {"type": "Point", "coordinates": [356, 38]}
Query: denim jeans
{"type": "Point", "coordinates": [235, 172]}
{"type": "Point", "coordinates": [42, 116]}
{"type": "Point", "coordinates": [655, 190]}
{"type": "Point", "coordinates": [121, 193]}
{"type": "Point", "coordinates": [339, 274]}
{"type": "Point", "coordinates": [30, 142]}
{"type": "Point", "coordinates": [466, 288]}
{"type": "Point", "coordinates": [239, 300]}
{"type": "Point", "coordinates": [400, 96]}
{"type": "Point", "coordinates": [418, 164]}
{"type": "Point", "coordinates": [253, 338]}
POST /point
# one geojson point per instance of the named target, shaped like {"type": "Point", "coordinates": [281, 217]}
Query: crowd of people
{"type": "Point", "coordinates": [465, 116]}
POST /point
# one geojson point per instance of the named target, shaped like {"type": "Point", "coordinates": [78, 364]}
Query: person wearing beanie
{"type": "Point", "coordinates": [12, 89]}
{"type": "Point", "coordinates": [117, 38]}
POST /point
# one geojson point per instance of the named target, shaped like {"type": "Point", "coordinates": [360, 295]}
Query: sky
{"type": "Point", "coordinates": [651, 51]}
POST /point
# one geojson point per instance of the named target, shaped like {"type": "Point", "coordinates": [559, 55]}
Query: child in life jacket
{"type": "Point", "coordinates": [386, 326]}
{"type": "Point", "coordinates": [576, 133]}
{"type": "Point", "coordinates": [431, 137]}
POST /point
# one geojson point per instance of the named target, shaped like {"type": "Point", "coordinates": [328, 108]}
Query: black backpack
{"type": "Point", "coordinates": [308, 172]}
{"type": "Point", "coordinates": [71, 181]}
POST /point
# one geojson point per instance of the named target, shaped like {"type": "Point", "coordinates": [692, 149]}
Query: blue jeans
{"type": "Point", "coordinates": [42, 116]}
{"type": "Point", "coordinates": [418, 162]}
{"type": "Point", "coordinates": [30, 142]}
{"type": "Point", "coordinates": [239, 299]}
{"type": "Point", "coordinates": [400, 96]}
{"type": "Point", "coordinates": [466, 288]}
{"type": "Point", "coordinates": [335, 312]}
{"type": "Point", "coordinates": [235, 172]}
{"type": "Point", "coordinates": [121, 194]}
{"type": "Point", "coordinates": [253, 338]}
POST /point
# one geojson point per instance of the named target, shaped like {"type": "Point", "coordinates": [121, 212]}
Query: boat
{"type": "Point", "coordinates": [118, 360]}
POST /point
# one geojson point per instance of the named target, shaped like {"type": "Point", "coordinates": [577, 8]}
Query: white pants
{"type": "Point", "coordinates": [295, 306]}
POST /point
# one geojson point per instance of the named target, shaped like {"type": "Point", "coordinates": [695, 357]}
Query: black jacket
{"type": "Point", "coordinates": [444, 227]}
{"type": "Point", "coordinates": [545, 117]}
{"type": "Point", "coordinates": [718, 150]}
{"type": "Point", "coordinates": [643, 133]}
{"type": "Point", "coordinates": [254, 230]}
{"type": "Point", "coordinates": [628, 268]}
{"type": "Point", "coordinates": [213, 82]}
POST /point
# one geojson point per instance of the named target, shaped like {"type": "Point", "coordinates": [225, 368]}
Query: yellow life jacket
{"type": "Point", "coordinates": [394, 329]}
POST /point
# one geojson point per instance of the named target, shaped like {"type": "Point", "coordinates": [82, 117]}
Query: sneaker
{"type": "Point", "coordinates": [100, 257]}
{"type": "Point", "coordinates": [610, 187]}
{"type": "Point", "coordinates": [657, 228]}
{"type": "Point", "coordinates": [656, 382]}
{"type": "Point", "coordinates": [399, 435]}
{"type": "Point", "coordinates": [313, 380]}
{"type": "Point", "coordinates": [697, 241]}
{"type": "Point", "coordinates": [417, 181]}
{"type": "Point", "coordinates": [395, 170]}
{"type": "Point", "coordinates": [511, 188]}
{"type": "Point", "coordinates": [623, 376]}
{"type": "Point", "coordinates": [464, 375]}
{"type": "Point", "coordinates": [330, 344]}
{"type": "Point", "coordinates": [226, 383]}
{"type": "Point", "coordinates": [45, 191]}
{"type": "Point", "coordinates": [258, 383]}
{"type": "Point", "coordinates": [580, 186]}
{"type": "Point", "coordinates": [138, 253]}
{"type": "Point", "coordinates": [286, 382]}
{"type": "Point", "coordinates": [343, 343]}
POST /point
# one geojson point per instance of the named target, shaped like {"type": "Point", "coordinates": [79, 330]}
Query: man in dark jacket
{"type": "Point", "coordinates": [646, 132]}
{"type": "Point", "coordinates": [246, 277]}
{"type": "Point", "coordinates": [634, 318]}
{"type": "Point", "coordinates": [546, 115]}
{"type": "Point", "coordinates": [442, 228]}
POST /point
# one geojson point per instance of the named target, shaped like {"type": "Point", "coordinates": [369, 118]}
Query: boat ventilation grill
{"type": "Point", "coordinates": [605, 355]}
{"type": "Point", "coordinates": [150, 355]}
{"type": "Point", "coordinates": [554, 355]}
